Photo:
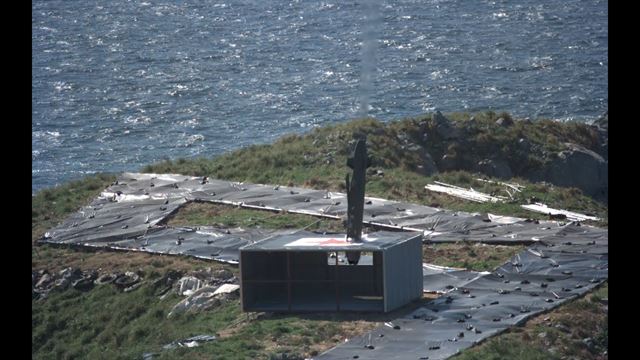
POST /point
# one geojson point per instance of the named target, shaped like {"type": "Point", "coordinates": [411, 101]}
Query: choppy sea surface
{"type": "Point", "coordinates": [120, 84]}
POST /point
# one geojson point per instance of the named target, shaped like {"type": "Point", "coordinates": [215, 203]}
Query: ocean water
{"type": "Point", "coordinates": [120, 84]}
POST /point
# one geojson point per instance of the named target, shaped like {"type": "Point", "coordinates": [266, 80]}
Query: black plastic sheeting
{"type": "Point", "coordinates": [563, 261]}
{"type": "Point", "coordinates": [439, 279]}
{"type": "Point", "coordinates": [136, 204]}
{"type": "Point", "coordinates": [539, 278]}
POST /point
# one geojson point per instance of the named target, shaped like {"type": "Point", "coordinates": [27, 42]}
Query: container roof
{"type": "Point", "coordinates": [309, 241]}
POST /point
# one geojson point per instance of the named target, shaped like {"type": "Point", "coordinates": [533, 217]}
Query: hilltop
{"type": "Point", "coordinates": [406, 155]}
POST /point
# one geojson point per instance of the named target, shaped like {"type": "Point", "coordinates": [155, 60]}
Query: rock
{"type": "Point", "coordinates": [524, 145]}
{"type": "Point", "coordinates": [61, 284]}
{"type": "Point", "coordinates": [428, 166]}
{"type": "Point", "coordinates": [602, 125]}
{"type": "Point", "coordinates": [495, 168]}
{"type": "Point", "coordinates": [190, 342]}
{"type": "Point", "coordinates": [563, 328]}
{"type": "Point", "coordinates": [448, 162]}
{"type": "Point", "coordinates": [69, 273]}
{"type": "Point", "coordinates": [105, 279]}
{"type": "Point", "coordinates": [202, 299]}
{"type": "Point", "coordinates": [167, 279]}
{"type": "Point", "coordinates": [589, 343]}
{"type": "Point", "coordinates": [188, 285]}
{"type": "Point", "coordinates": [133, 287]}
{"type": "Point", "coordinates": [604, 149]}
{"type": "Point", "coordinates": [227, 289]}
{"type": "Point", "coordinates": [164, 284]}
{"type": "Point", "coordinates": [204, 275]}
{"type": "Point", "coordinates": [582, 168]}
{"type": "Point", "coordinates": [504, 122]}
{"type": "Point", "coordinates": [90, 274]}
{"type": "Point", "coordinates": [44, 281]}
{"type": "Point", "coordinates": [603, 121]}
{"type": "Point", "coordinates": [124, 281]}
{"type": "Point", "coordinates": [222, 274]}
{"type": "Point", "coordinates": [604, 301]}
{"type": "Point", "coordinates": [83, 284]}
{"type": "Point", "coordinates": [443, 127]}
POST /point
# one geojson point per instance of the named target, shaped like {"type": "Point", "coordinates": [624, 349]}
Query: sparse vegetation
{"type": "Point", "coordinates": [478, 257]}
{"type": "Point", "coordinates": [577, 330]}
{"type": "Point", "coordinates": [206, 214]}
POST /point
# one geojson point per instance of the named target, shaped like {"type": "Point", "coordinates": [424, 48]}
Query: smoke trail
{"type": "Point", "coordinates": [371, 23]}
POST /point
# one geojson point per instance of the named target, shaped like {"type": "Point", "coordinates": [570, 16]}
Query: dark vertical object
{"type": "Point", "coordinates": [358, 161]}
{"type": "Point", "coordinates": [289, 280]}
{"type": "Point", "coordinates": [242, 286]}
{"type": "Point", "coordinates": [337, 284]}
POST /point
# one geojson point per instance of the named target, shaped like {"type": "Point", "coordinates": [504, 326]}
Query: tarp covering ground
{"type": "Point", "coordinates": [564, 260]}
{"type": "Point", "coordinates": [539, 278]}
{"type": "Point", "coordinates": [134, 207]}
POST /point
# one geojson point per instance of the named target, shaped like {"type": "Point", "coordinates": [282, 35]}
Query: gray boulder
{"type": "Point", "coordinates": [495, 168]}
{"type": "Point", "coordinates": [603, 121]}
{"type": "Point", "coordinates": [204, 298]}
{"type": "Point", "coordinates": [582, 168]}
{"type": "Point", "coordinates": [187, 285]}
{"type": "Point", "coordinates": [602, 125]}
{"type": "Point", "coordinates": [448, 162]}
{"type": "Point", "coordinates": [45, 281]}
{"type": "Point", "coordinates": [428, 166]}
{"type": "Point", "coordinates": [504, 122]}
{"type": "Point", "coordinates": [524, 145]}
{"type": "Point", "coordinates": [444, 128]}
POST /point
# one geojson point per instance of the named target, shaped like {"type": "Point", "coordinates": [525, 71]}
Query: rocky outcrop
{"type": "Point", "coordinates": [428, 166]}
{"type": "Point", "coordinates": [581, 168]}
{"type": "Point", "coordinates": [504, 122]}
{"type": "Point", "coordinates": [449, 162]}
{"type": "Point", "coordinates": [602, 124]}
{"type": "Point", "coordinates": [603, 121]}
{"type": "Point", "coordinates": [444, 128]}
{"type": "Point", "coordinates": [506, 148]}
{"type": "Point", "coordinates": [206, 298]}
{"type": "Point", "coordinates": [495, 168]}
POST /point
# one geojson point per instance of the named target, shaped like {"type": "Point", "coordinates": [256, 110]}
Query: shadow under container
{"type": "Point", "coordinates": [307, 272]}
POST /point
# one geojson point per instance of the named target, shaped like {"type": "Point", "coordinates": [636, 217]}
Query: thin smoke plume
{"type": "Point", "coordinates": [371, 23]}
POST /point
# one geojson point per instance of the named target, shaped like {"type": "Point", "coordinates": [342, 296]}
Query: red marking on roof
{"type": "Point", "coordinates": [332, 241]}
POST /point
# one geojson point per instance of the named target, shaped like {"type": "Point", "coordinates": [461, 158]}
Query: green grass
{"type": "Point", "coordinates": [50, 206]}
{"type": "Point", "coordinates": [106, 323]}
{"type": "Point", "coordinates": [507, 346]}
{"type": "Point", "coordinates": [206, 214]}
{"type": "Point", "coordinates": [477, 257]}
{"type": "Point", "coordinates": [540, 338]}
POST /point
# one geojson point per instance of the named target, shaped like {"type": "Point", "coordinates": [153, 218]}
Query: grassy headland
{"type": "Point", "coordinates": [108, 323]}
{"type": "Point", "coordinates": [401, 151]}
